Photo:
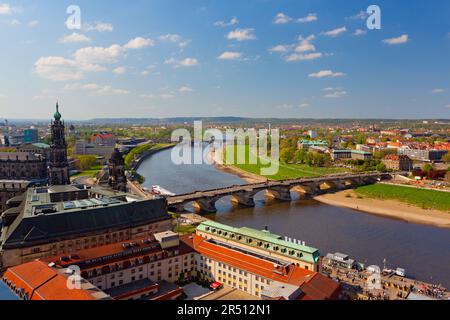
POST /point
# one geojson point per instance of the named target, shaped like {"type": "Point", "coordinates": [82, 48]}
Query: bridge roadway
{"type": "Point", "coordinates": [243, 195]}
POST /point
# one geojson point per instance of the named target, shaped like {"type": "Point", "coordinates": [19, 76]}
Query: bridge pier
{"type": "Point", "coordinates": [177, 208]}
{"type": "Point", "coordinates": [244, 199]}
{"type": "Point", "coordinates": [206, 205]}
{"type": "Point", "coordinates": [279, 193]}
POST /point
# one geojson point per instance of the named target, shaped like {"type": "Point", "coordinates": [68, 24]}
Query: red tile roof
{"type": "Point", "coordinates": [314, 285]}
{"type": "Point", "coordinates": [41, 282]}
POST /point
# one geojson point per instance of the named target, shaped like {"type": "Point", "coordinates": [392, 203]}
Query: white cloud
{"type": "Point", "coordinates": [170, 37]}
{"type": "Point", "coordinates": [230, 55]}
{"type": "Point", "coordinates": [302, 57]}
{"type": "Point", "coordinates": [139, 42]}
{"type": "Point", "coordinates": [279, 48]}
{"type": "Point", "coordinates": [120, 70]}
{"type": "Point", "coordinates": [438, 90]}
{"type": "Point", "coordinates": [99, 55]}
{"type": "Point", "coordinates": [75, 38]}
{"type": "Point", "coordinates": [335, 32]}
{"type": "Point", "coordinates": [99, 27]}
{"type": "Point", "coordinates": [187, 62]}
{"type": "Point", "coordinates": [164, 96]}
{"type": "Point", "coordinates": [15, 22]}
{"type": "Point", "coordinates": [399, 40]}
{"type": "Point", "coordinates": [58, 69]}
{"type": "Point", "coordinates": [326, 74]}
{"type": "Point", "coordinates": [95, 89]}
{"type": "Point", "coordinates": [6, 9]}
{"type": "Point", "coordinates": [234, 21]}
{"type": "Point", "coordinates": [174, 38]}
{"type": "Point", "coordinates": [304, 105]}
{"type": "Point", "coordinates": [305, 45]}
{"type": "Point", "coordinates": [309, 18]}
{"type": "Point", "coordinates": [281, 18]}
{"type": "Point", "coordinates": [334, 93]}
{"type": "Point", "coordinates": [88, 59]}
{"type": "Point", "coordinates": [359, 32]}
{"type": "Point", "coordinates": [362, 15]}
{"type": "Point", "coordinates": [33, 23]}
{"type": "Point", "coordinates": [185, 89]}
{"type": "Point", "coordinates": [241, 35]}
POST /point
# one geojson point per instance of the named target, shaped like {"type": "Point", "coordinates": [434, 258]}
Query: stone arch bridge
{"type": "Point", "coordinates": [243, 195]}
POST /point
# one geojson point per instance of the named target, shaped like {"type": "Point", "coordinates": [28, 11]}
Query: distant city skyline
{"type": "Point", "coordinates": [256, 59]}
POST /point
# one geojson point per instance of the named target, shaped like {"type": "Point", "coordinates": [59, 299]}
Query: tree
{"type": "Point", "coordinates": [287, 154]}
{"type": "Point", "coordinates": [87, 162]}
{"type": "Point", "coordinates": [381, 167]}
{"type": "Point", "coordinates": [446, 158]}
{"type": "Point", "coordinates": [300, 156]}
{"type": "Point", "coordinates": [427, 168]}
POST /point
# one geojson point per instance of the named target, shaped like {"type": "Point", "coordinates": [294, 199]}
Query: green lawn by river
{"type": "Point", "coordinates": [286, 171]}
{"type": "Point", "coordinates": [424, 198]}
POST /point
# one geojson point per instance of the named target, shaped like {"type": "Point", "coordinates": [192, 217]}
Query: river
{"type": "Point", "coordinates": [424, 251]}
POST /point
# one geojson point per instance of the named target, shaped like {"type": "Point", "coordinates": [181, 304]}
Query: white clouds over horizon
{"type": "Point", "coordinates": [6, 9]}
{"type": "Point", "coordinates": [95, 89]}
{"type": "Point", "coordinates": [85, 60]}
{"type": "Point", "coordinates": [334, 93]}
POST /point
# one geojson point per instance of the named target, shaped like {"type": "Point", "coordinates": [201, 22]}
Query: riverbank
{"type": "Point", "coordinates": [248, 177]}
{"type": "Point", "coordinates": [244, 175]}
{"type": "Point", "coordinates": [387, 208]}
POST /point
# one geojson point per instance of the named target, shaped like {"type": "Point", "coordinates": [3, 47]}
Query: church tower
{"type": "Point", "coordinates": [58, 169]}
{"type": "Point", "coordinates": [117, 178]}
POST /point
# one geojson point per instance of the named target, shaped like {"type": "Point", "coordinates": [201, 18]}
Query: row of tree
{"type": "Point", "coordinates": [301, 156]}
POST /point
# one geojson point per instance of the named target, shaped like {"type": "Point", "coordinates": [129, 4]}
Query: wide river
{"type": "Point", "coordinates": [424, 251]}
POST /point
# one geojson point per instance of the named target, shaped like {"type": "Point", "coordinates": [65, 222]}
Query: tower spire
{"type": "Point", "coordinates": [57, 115]}
{"type": "Point", "coordinates": [58, 169]}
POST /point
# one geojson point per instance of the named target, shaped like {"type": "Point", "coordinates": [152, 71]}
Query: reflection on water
{"type": "Point", "coordinates": [424, 251]}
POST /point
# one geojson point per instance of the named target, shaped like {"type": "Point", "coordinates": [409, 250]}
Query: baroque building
{"type": "Point", "coordinates": [117, 179]}
{"type": "Point", "coordinates": [58, 169]}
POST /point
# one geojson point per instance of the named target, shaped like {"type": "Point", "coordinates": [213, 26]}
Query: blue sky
{"type": "Point", "coordinates": [255, 58]}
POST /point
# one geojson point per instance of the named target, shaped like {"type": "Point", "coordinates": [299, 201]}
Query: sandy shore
{"type": "Point", "coordinates": [388, 208]}
{"type": "Point", "coordinates": [249, 177]}
{"type": "Point", "coordinates": [244, 175]}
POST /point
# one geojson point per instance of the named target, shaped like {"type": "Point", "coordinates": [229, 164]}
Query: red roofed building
{"type": "Point", "coordinates": [147, 268]}
{"type": "Point", "coordinates": [107, 139]}
{"type": "Point", "coordinates": [259, 275]}
{"type": "Point", "coordinates": [37, 280]}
